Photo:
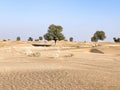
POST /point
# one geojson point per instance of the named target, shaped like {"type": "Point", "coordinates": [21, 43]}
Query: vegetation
{"type": "Point", "coordinates": [98, 35]}
{"type": "Point", "coordinates": [94, 39]}
{"type": "Point", "coordinates": [18, 38]}
{"type": "Point", "coordinates": [35, 54]}
{"type": "Point", "coordinates": [71, 39]}
{"type": "Point", "coordinates": [36, 39]}
{"type": "Point", "coordinates": [40, 38]}
{"type": "Point", "coordinates": [116, 39]}
{"type": "Point", "coordinates": [69, 55]}
{"type": "Point", "coordinates": [30, 39]}
{"type": "Point", "coordinates": [54, 33]}
{"type": "Point", "coordinates": [4, 40]}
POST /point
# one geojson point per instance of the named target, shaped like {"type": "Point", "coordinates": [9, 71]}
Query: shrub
{"type": "Point", "coordinates": [30, 39]}
{"type": "Point", "coordinates": [36, 54]}
{"type": "Point", "coordinates": [18, 38]}
{"type": "Point", "coordinates": [116, 39]}
{"type": "Point", "coordinates": [71, 39]}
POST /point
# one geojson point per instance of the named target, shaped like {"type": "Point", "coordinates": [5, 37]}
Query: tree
{"type": "Point", "coordinates": [54, 33]}
{"type": "Point", "coordinates": [94, 39]}
{"type": "Point", "coordinates": [71, 39]}
{"type": "Point", "coordinates": [30, 39]}
{"type": "Point", "coordinates": [98, 35]}
{"type": "Point", "coordinates": [116, 39]}
{"type": "Point", "coordinates": [18, 38]}
{"type": "Point", "coordinates": [40, 38]}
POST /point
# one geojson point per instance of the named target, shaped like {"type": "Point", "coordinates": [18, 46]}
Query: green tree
{"type": "Point", "coordinates": [30, 39]}
{"type": "Point", "coordinates": [18, 38]}
{"type": "Point", "coordinates": [71, 39]}
{"type": "Point", "coordinates": [54, 33]}
{"type": "Point", "coordinates": [98, 35]}
{"type": "Point", "coordinates": [94, 39]}
{"type": "Point", "coordinates": [40, 38]}
{"type": "Point", "coordinates": [116, 39]}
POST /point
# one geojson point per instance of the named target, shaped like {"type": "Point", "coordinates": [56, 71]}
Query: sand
{"type": "Point", "coordinates": [66, 66]}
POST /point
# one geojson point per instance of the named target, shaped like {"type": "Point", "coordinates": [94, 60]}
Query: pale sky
{"type": "Point", "coordinates": [79, 18]}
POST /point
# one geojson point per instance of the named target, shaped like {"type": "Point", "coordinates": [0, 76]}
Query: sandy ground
{"type": "Point", "coordinates": [67, 66]}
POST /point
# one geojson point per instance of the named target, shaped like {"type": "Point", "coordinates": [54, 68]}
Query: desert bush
{"type": "Point", "coordinates": [30, 39]}
{"type": "Point", "coordinates": [4, 40]}
{"type": "Point", "coordinates": [116, 39]}
{"type": "Point", "coordinates": [35, 54]}
{"type": "Point", "coordinates": [77, 46]}
{"type": "Point", "coordinates": [70, 55]}
{"type": "Point", "coordinates": [71, 39]}
{"type": "Point", "coordinates": [18, 38]}
{"type": "Point", "coordinates": [36, 39]}
{"type": "Point", "coordinates": [40, 38]}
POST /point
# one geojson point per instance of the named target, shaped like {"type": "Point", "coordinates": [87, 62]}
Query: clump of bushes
{"type": "Point", "coordinates": [116, 39]}
{"type": "Point", "coordinates": [35, 54]}
{"type": "Point", "coordinates": [70, 55]}
{"type": "Point", "coordinates": [71, 39]}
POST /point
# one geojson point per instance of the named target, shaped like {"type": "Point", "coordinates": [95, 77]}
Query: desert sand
{"type": "Point", "coordinates": [66, 66]}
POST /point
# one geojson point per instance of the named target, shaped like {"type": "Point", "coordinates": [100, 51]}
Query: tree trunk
{"type": "Point", "coordinates": [55, 41]}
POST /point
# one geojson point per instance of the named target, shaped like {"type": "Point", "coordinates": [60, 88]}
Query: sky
{"type": "Point", "coordinates": [80, 19]}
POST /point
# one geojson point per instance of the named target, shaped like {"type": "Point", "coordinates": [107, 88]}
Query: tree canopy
{"type": "Point", "coordinates": [54, 33]}
{"type": "Point", "coordinates": [98, 35]}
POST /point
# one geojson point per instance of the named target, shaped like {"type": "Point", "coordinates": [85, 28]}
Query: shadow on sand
{"type": "Point", "coordinates": [96, 51]}
{"type": "Point", "coordinates": [41, 45]}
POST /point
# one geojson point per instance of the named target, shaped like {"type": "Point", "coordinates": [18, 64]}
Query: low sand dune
{"type": "Point", "coordinates": [26, 67]}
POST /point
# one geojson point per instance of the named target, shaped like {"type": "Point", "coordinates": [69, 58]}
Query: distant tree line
{"type": "Point", "coordinates": [55, 33]}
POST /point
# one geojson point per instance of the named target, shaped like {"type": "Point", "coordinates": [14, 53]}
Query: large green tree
{"type": "Point", "coordinates": [54, 33]}
{"type": "Point", "coordinates": [98, 35]}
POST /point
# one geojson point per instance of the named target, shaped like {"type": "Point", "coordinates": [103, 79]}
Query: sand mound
{"type": "Point", "coordinates": [96, 51]}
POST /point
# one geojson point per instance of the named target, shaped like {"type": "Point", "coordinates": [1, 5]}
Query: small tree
{"type": "Point", "coordinates": [71, 39]}
{"type": "Point", "coordinates": [98, 35]}
{"type": "Point", "coordinates": [54, 33]}
{"type": "Point", "coordinates": [116, 39]}
{"type": "Point", "coordinates": [18, 38]}
{"type": "Point", "coordinates": [30, 39]}
{"type": "Point", "coordinates": [40, 38]}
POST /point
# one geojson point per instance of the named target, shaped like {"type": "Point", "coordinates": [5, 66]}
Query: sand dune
{"type": "Point", "coordinates": [59, 68]}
